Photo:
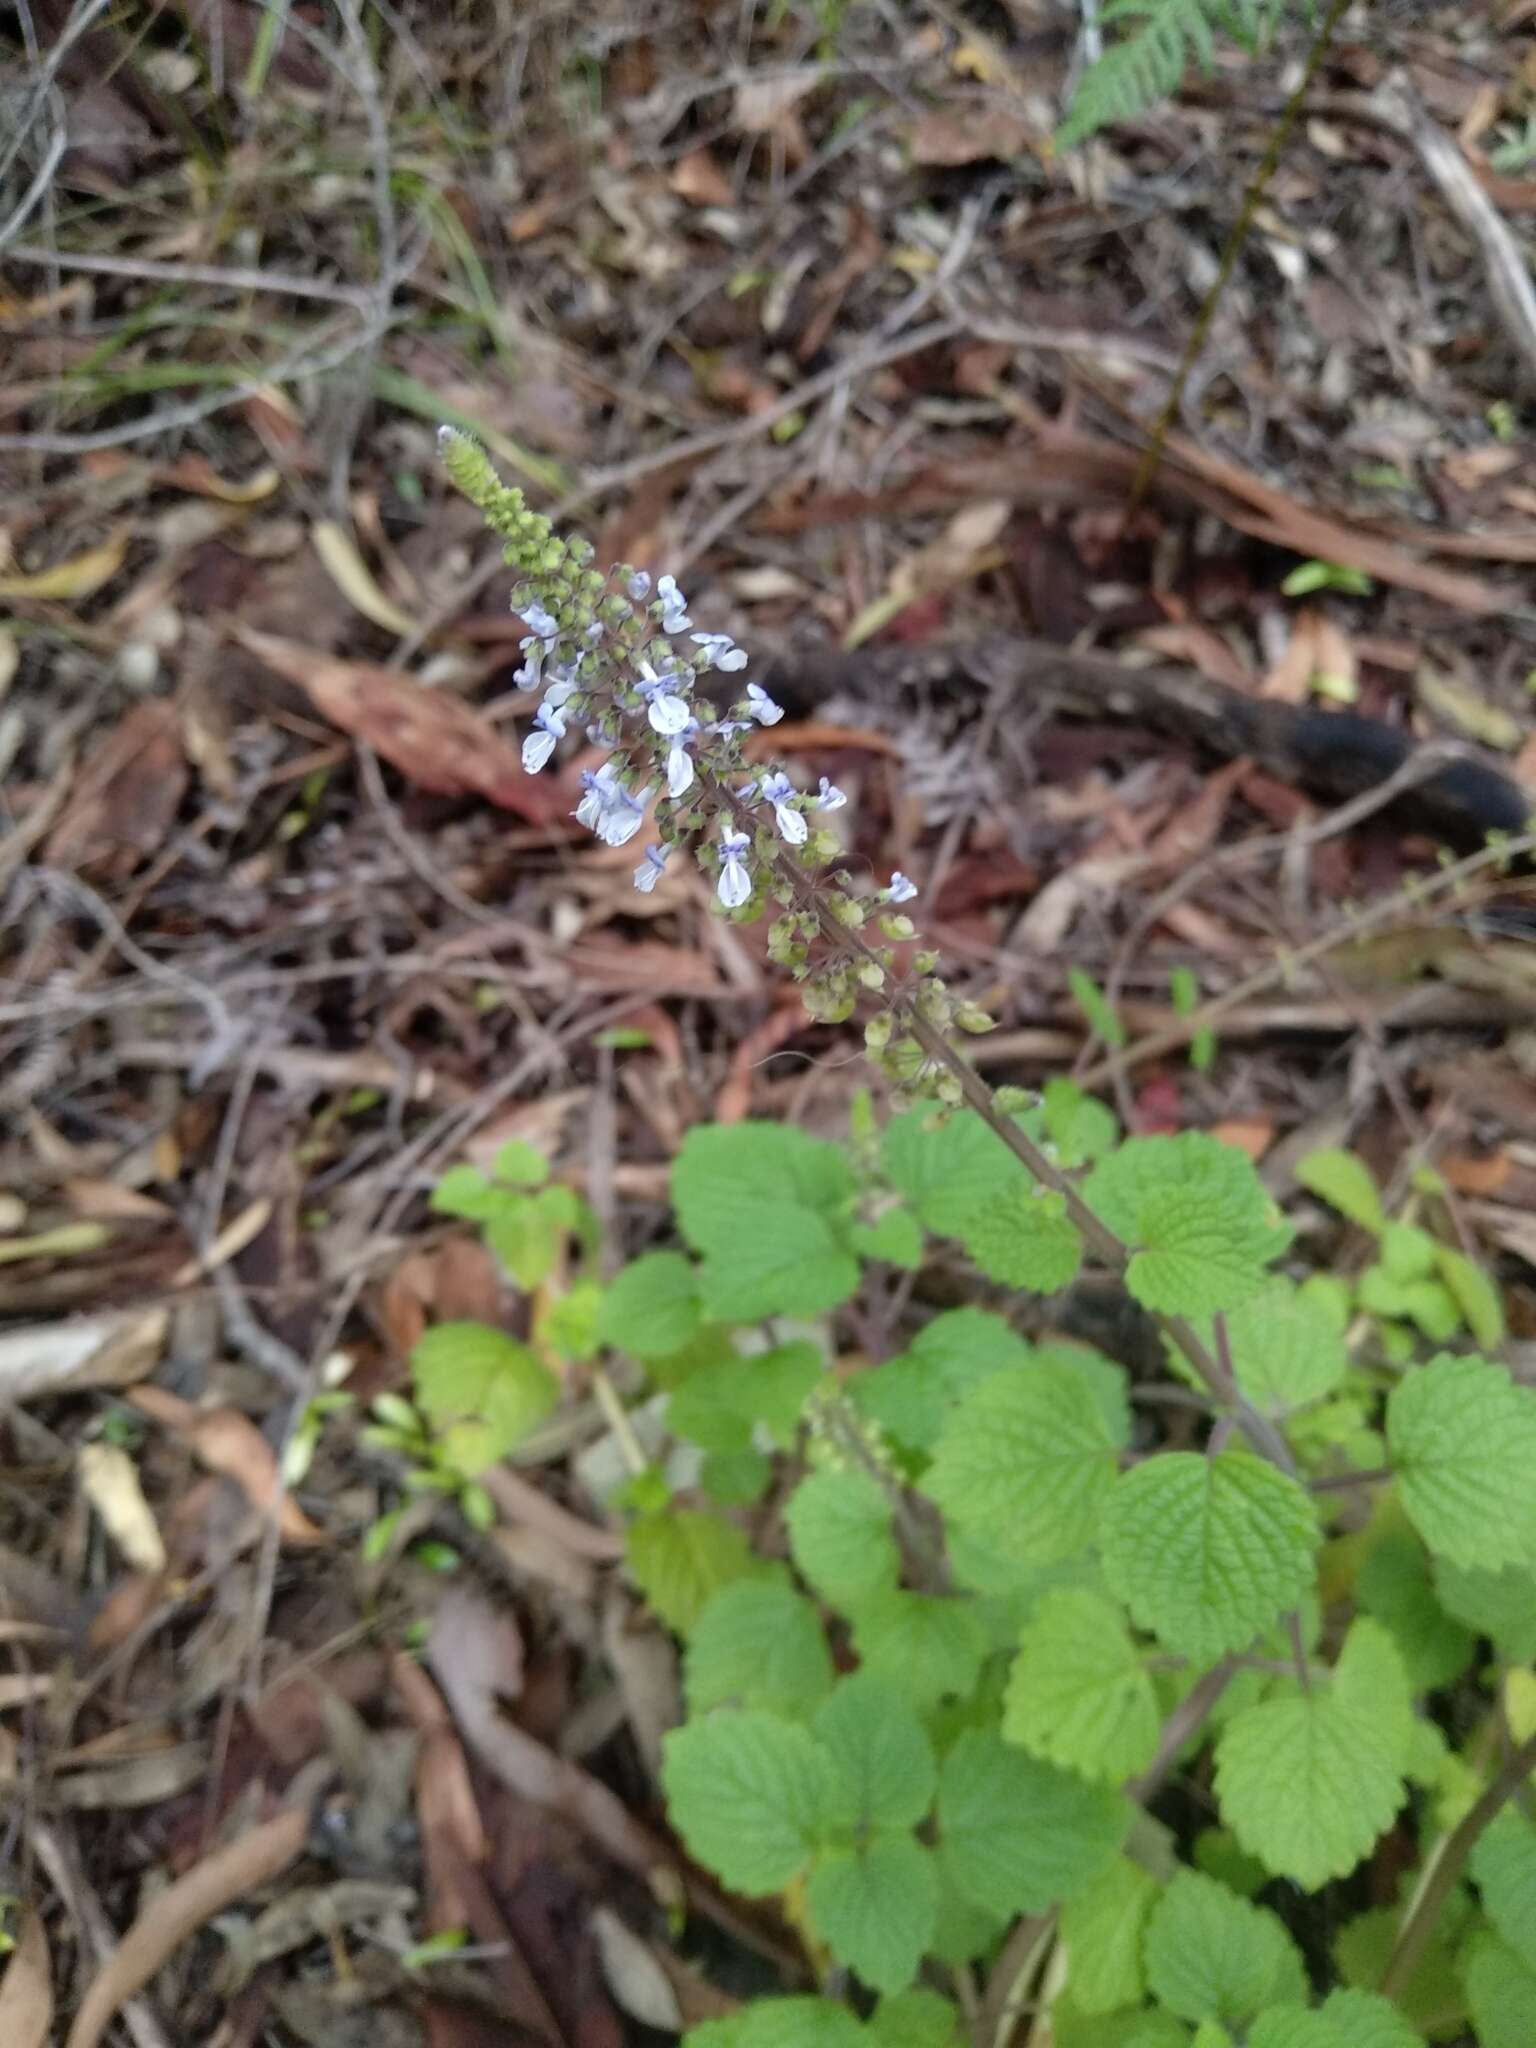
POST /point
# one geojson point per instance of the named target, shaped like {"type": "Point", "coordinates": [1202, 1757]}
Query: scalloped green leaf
{"type": "Point", "coordinates": [1079, 1693]}
{"type": "Point", "coordinates": [840, 1535]}
{"type": "Point", "coordinates": [757, 1643]}
{"type": "Point", "coordinates": [1017, 1835]}
{"type": "Point", "coordinates": [1462, 1439]}
{"type": "Point", "coordinates": [1211, 1955]}
{"type": "Point", "coordinates": [875, 1907]}
{"type": "Point", "coordinates": [748, 1791]}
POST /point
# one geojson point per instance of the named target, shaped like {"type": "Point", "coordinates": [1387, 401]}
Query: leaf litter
{"type": "Point", "coordinates": [823, 317]}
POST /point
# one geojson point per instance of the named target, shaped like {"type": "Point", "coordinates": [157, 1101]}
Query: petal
{"type": "Point", "coordinates": [668, 714]}
{"type": "Point", "coordinates": [679, 772]}
{"type": "Point", "coordinates": [791, 824]}
{"type": "Point", "coordinates": [735, 884]}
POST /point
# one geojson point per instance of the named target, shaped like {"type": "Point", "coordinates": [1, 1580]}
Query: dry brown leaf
{"type": "Point", "coordinates": [632, 1973]}
{"type": "Point", "coordinates": [697, 178]}
{"type": "Point", "coordinates": [1253, 1135]}
{"type": "Point", "coordinates": [195, 473]}
{"type": "Point", "coordinates": [767, 106]}
{"type": "Point", "coordinates": [147, 1780]}
{"type": "Point", "coordinates": [88, 1351]}
{"type": "Point", "coordinates": [474, 1655]}
{"type": "Point", "coordinates": [1472, 1173]}
{"type": "Point", "coordinates": [734, 1100]}
{"type": "Point", "coordinates": [126, 795]}
{"type": "Point", "coordinates": [190, 1903]}
{"type": "Point", "coordinates": [230, 1444]}
{"type": "Point", "coordinates": [355, 580]}
{"type": "Point", "coordinates": [82, 576]}
{"type": "Point", "coordinates": [110, 1482]}
{"type": "Point", "coordinates": [436, 740]}
{"type": "Point", "coordinates": [10, 659]}
{"type": "Point", "coordinates": [940, 137]}
{"type": "Point", "coordinates": [26, 1991]}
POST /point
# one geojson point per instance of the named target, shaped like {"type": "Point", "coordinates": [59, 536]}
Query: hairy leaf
{"type": "Point", "coordinates": [875, 1907]}
{"type": "Point", "coordinates": [757, 1644]}
{"type": "Point", "coordinates": [1018, 1835]}
{"type": "Point", "coordinates": [1078, 1693]}
{"type": "Point", "coordinates": [1211, 1955]}
{"type": "Point", "coordinates": [1462, 1438]}
{"type": "Point", "coordinates": [748, 1792]}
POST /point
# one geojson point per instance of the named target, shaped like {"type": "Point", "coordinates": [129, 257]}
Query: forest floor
{"type": "Point", "coordinates": [809, 312]}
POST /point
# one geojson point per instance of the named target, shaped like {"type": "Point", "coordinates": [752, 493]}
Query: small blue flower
{"type": "Point", "coordinates": [527, 677]}
{"type": "Point", "coordinates": [640, 586]}
{"type": "Point", "coordinates": [761, 705]}
{"type": "Point", "coordinates": [652, 867]}
{"type": "Point", "coordinates": [679, 770]}
{"type": "Point", "coordinates": [667, 711]}
{"type": "Point", "coordinates": [735, 884]}
{"type": "Point", "coordinates": [829, 797]}
{"type": "Point", "coordinates": [549, 723]}
{"type": "Point", "coordinates": [608, 809]}
{"type": "Point", "coordinates": [719, 650]}
{"type": "Point", "coordinates": [674, 606]}
{"type": "Point", "coordinates": [779, 791]}
{"type": "Point", "coordinates": [901, 890]}
{"type": "Point", "coordinates": [560, 691]}
{"type": "Point", "coordinates": [542, 624]}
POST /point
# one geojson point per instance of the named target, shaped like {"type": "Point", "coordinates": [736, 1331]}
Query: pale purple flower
{"type": "Point", "coordinates": [761, 705]}
{"type": "Point", "coordinates": [735, 884]}
{"type": "Point", "coordinates": [640, 586]}
{"type": "Point", "coordinates": [829, 797]}
{"type": "Point", "coordinates": [778, 790]}
{"type": "Point", "coordinates": [650, 870]}
{"type": "Point", "coordinates": [720, 651]}
{"type": "Point", "coordinates": [527, 677]}
{"type": "Point", "coordinates": [608, 809]}
{"type": "Point", "coordinates": [679, 770]}
{"type": "Point", "coordinates": [542, 624]}
{"type": "Point", "coordinates": [666, 710]}
{"type": "Point", "coordinates": [674, 606]}
{"type": "Point", "coordinates": [901, 890]}
{"type": "Point", "coordinates": [560, 691]}
{"type": "Point", "coordinates": [549, 724]}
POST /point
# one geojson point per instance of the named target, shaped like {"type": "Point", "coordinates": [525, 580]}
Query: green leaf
{"type": "Point", "coordinates": [680, 1558]}
{"type": "Point", "coordinates": [1023, 1237]}
{"type": "Point", "coordinates": [1081, 1128]}
{"type": "Point", "coordinates": [790, 1262]}
{"type": "Point", "coordinates": [481, 1387]}
{"type": "Point", "coordinates": [875, 1907]}
{"type": "Point", "coordinates": [763, 1203]}
{"type": "Point", "coordinates": [1211, 1955]}
{"type": "Point", "coordinates": [520, 1165]}
{"type": "Point", "coordinates": [840, 1535]}
{"type": "Point", "coordinates": [1286, 1348]}
{"type": "Point", "coordinates": [757, 1644]}
{"type": "Point", "coordinates": [925, 1645]}
{"type": "Point", "coordinates": [1503, 1865]}
{"type": "Point", "coordinates": [747, 1791]}
{"type": "Point", "coordinates": [1462, 1438]}
{"type": "Point", "coordinates": [1079, 1695]}
{"type": "Point", "coordinates": [1497, 1604]}
{"type": "Point", "coordinates": [910, 1396]}
{"type": "Point", "coordinates": [1208, 1552]}
{"type": "Point", "coordinates": [736, 1479]}
{"type": "Point", "coordinates": [897, 1238]}
{"type": "Point", "coordinates": [652, 1307]}
{"type": "Point", "coordinates": [465, 1191]}
{"type": "Point", "coordinates": [1091, 1000]}
{"type": "Point", "coordinates": [710, 1408]}
{"type": "Point", "coordinates": [1136, 2027]}
{"type": "Point", "coordinates": [1501, 1991]}
{"type": "Point", "coordinates": [1363, 2019]}
{"type": "Point", "coordinates": [777, 1384]}
{"type": "Point", "coordinates": [1475, 1294]}
{"type": "Point", "coordinates": [1197, 1216]}
{"type": "Point", "coordinates": [1394, 1584]}
{"type": "Point", "coordinates": [1432, 1997]}
{"type": "Point", "coordinates": [1101, 1930]}
{"type": "Point", "coordinates": [880, 1753]}
{"type": "Point", "coordinates": [1291, 2026]}
{"type": "Point", "coordinates": [1308, 1781]}
{"type": "Point", "coordinates": [781, 2023]}
{"type": "Point", "coordinates": [915, 2019]}
{"type": "Point", "coordinates": [947, 1164]}
{"type": "Point", "coordinates": [527, 1232]}
{"type": "Point", "coordinates": [1017, 1835]}
{"type": "Point", "coordinates": [1028, 1460]}
{"type": "Point", "coordinates": [1345, 1183]}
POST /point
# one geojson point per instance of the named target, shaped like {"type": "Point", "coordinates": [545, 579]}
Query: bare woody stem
{"type": "Point", "coordinates": [1446, 1868]}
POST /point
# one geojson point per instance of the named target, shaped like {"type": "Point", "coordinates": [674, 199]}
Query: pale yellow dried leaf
{"type": "Point", "coordinates": [355, 580]}
{"type": "Point", "coordinates": [90, 1351]}
{"type": "Point", "coordinates": [81, 576]}
{"type": "Point", "coordinates": [109, 1479]}
{"type": "Point", "coordinates": [26, 1990]}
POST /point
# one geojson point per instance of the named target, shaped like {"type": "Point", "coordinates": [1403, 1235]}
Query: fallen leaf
{"type": "Point", "coordinates": [206, 1890]}
{"type": "Point", "coordinates": [81, 576]}
{"type": "Point", "coordinates": [230, 1444]}
{"type": "Point", "coordinates": [89, 1351]}
{"type": "Point", "coordinates": [1473, 1174]}
{"type": "Point", "coordinates": [630, 1970]}
{"type": "Point", "coordinates": [196, 474]}
{"type": "Point", "coordinates": [26, 1991]}
{"type": "Point", "coordinates": [766, 106]}
{"type": "Point", "coordinates": [436, 740]}
{"type": "Point", "coordinates": [147, 1780]}
{"type": "Point", "coordinates": [969, 136]}
{"type": "Point", "coordinates": [1252, 1135]}
{"type": "Point", "coordinates": [734, 1100]}
{"type": "Point", "coordinates": [355, 580]}
{"type": "Point", "coordinates": [10, 659]}
{"type": "Point", "coordinates": [1466, 712]}
{"type": "Point", "coordinates": [126, 795]}
{"type": "Point", "coordinates": [110, 1482]}
{"type": "Point", "coordinates": [697, 178]}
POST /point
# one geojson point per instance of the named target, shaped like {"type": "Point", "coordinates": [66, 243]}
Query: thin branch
{"type": "Point", "coordinates": [1446, 1866]}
